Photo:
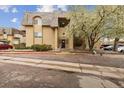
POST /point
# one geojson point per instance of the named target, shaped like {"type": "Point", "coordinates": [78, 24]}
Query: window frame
{"type": "Point", "coordinates": [37, 21]}
{"type": "Point", "coordinates": [38, 36]}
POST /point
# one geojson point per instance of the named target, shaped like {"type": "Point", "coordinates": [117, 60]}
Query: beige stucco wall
{"type": "Point", "coordinates": [70, 43]}
{"type": "Point", "coordinates": [38, 28]}
{"type": "Point", "coordinates": [10, 38]}
{"type": "Point", "coordinates": [48, 36]}
{"type": "Point", "coordinates": [69, 38]}
{"type": "Point", "coordinates": [29, 36]}
{"type": "Point", "coordinates": [1, 36]}
{"type": "Point", "coordinates": [61, 36]}
{"type": "Point", "coordinates": [61, 31]}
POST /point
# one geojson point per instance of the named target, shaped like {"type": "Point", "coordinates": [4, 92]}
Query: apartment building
{"type": "Point", "coordinates": [47, 28]}
{"type": "Point", "coordinates": [11, 35]}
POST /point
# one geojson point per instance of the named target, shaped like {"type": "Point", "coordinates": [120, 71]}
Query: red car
{"type": "Point", "coordinates": [5, 46]}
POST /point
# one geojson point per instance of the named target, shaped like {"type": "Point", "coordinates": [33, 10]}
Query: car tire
{"type": "Point", "coordinates": [9, 48]}
{"type": "Point", "coordinates": [122, 51]}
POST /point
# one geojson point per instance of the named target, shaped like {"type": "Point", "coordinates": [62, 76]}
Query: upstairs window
{"type": "Point", "coordinates": [4, 35]}
{"type": "Point", "coordinates": [38, 34]}
{"type": "Point", "coordinates": [37, 21]}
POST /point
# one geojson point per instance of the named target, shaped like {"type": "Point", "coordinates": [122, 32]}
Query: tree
{"type": "Point", "coordinates": [118, 25]}
{"type": "Point", "coordinates": [91, 25]}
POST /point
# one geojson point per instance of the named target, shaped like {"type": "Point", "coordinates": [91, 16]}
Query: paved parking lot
{"type": "Point", "coordinates": [26, 76]}
{"type": "Point", "coordinates": [113, 60]}
{"type": "Point", "coordinates": [21, 76]}
{"type": "Point", "coordinates": [13, 75]}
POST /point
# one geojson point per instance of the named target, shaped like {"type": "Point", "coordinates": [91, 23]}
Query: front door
{"type": "Point", "coordinates": [63, 43]}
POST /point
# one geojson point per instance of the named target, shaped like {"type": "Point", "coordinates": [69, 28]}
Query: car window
{"type": "Point", "coordinates": [105, 45]}
{"type": "Point", "coordinates": [121, 45]}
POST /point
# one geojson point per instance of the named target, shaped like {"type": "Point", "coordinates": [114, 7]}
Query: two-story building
{"type": "Point", "coordinates": [11, 35]}
{"type": "Point", "coordinates": [47, 28]}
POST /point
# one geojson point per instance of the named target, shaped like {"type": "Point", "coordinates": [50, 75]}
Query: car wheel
{"type": "Point", "coordinates": [9, 48]}
{"type": "Point", "coordinates": [122, 51]}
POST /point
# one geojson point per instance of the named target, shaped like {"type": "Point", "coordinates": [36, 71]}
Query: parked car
{"type": "Point", "coordinates": [106, 47]}
{"type": "Point", "coordinates": [103, 46]}
{"type": "Point", "coordinates": [5, 46]}
{"type": "Point", "coordinates": [120, 49]}
{"type": "Point", "coordinates": [109, 48]}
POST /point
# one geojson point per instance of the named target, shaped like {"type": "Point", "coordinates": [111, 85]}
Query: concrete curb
{"type": "Point", "coordinates": [27, 53]}
{"type": "Point", "coordinates": [112, 72]}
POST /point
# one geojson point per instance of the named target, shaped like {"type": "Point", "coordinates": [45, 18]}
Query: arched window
{"type": "Point", "coordinates": [37, 21]}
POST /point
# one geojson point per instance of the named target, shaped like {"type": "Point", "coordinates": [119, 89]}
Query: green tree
{"type": "Point", "coordinates": [117, 29]}
{"type": "Point", "coordinates": [91, 25]}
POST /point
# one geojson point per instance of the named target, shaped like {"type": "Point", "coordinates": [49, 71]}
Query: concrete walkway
{"type": "Point", "coordinates": [105, 71]}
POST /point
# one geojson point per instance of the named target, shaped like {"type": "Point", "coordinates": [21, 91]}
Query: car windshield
{"type": "Point", "coordinates": [120, 45]}
{"type": "Point", "coordinates": [105, 45]}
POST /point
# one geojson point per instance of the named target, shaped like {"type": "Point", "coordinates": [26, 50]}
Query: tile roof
{"type": "Point", "coordinates": [48, 18]}
{"type": "Point", "coordinates": [9, 31]}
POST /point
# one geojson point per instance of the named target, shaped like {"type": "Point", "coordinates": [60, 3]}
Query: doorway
{"type": "Point", "coordinates": [63, 43]}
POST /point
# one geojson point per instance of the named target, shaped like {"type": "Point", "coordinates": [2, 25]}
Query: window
{"type": "Point", "coordinates": [5, 36]}
{"type": "Point", "coordinates": [15, 41]}
{"type": "Point", "coordinates": [37, 21]}
{"type": "Point", "coordinates": [38, 35]}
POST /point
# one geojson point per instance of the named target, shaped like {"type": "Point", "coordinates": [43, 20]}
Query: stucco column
{"type": "Point", "coordinates": [56, 38]}
{"type": "Point", "coordinates": [71, 45]}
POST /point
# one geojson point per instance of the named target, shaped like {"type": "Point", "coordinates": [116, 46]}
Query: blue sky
{"type": "Point", "coordinates": [11, 16]}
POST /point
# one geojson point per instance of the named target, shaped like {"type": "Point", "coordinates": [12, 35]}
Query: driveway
{"type": "Point", "coordinates": [112, 60]}
{"type": "Point", "coordinates": [12, 75]}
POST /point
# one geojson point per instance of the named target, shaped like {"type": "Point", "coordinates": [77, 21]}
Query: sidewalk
{"type": "Point", "coordinates": [105, 71]}
{"type": "Point", "coordinates": [24, 52]}
{"type": "Point", "coordinates": [29, 51]}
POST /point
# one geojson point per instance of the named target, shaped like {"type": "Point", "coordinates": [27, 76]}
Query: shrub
{"type": "Point", "coordinates": [43, 47]}
{"type": "Point", "coordinates": [22, 47]}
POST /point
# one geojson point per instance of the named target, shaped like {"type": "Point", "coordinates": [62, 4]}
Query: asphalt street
{"type": "Point", "coordinates": [20, 76]}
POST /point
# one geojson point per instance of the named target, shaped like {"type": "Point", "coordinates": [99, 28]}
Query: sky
{"type": "Point", "coordinates": [12, 15]}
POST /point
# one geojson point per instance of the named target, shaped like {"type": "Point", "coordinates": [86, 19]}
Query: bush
{"type": "Point", "coordinates": [43, 47]}
{"type": "Point", "coordinates": [22, 47]}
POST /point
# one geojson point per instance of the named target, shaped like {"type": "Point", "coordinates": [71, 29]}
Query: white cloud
{"type": "Point", "coordinates": [14, 10]}
{"type": "Point", "coordinates": [45, 8]}
{"type": "Point", "coordinates": [62, 7]}
{"type": "Point", "coordinates": [51, 8]}
{"type": "Point", "coordinates": [5, 8]}
{"type": "Point", "coordinates": [14, 20]}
